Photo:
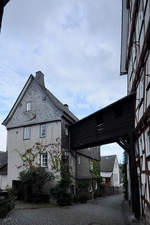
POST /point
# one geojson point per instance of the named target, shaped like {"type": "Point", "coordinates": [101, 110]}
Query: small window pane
{"type": "Point", "coordinates": [66, 131]}
{"type": "Point", "coordinates": [44, 160]}
{"type": "Point", "coordinates": [43, 130]}
{"type": "Point", "coordinates": [28, 106]}
{"type": "Point", "coordinates": [148, 142]}
{"type": "Point", "coordinates": [78, 159]}
{"type": "Point", "coordinates": [27, 131]}
{"type": "Point", "coordinates": [91, 165]}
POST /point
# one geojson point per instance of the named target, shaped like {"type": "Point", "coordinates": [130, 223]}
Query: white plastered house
{"type": "Point", "coordinates": [110, 171]}
{"type": "Point", "coordinates": [39, 117]}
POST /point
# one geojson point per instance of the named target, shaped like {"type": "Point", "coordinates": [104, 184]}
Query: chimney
{"type": "Point", "coordinates": [40, 78]}
{"type": "Point", "coordinates": [66, 106]}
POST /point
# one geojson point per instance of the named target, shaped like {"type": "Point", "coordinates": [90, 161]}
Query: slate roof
{"type": "Point", "coordinates": [3, 163]}
{"type": "Point", "coordinates": [55, 101]}
{"type": "Point", "coordinates": [107, 163]}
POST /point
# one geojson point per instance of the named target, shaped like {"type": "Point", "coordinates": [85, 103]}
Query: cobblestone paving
{"type": "Point", "coordinates": [102, 211]}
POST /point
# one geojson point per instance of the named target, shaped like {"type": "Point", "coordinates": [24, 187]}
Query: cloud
{"type": "Point", "coordinates": [113, 149]}
{"type": "Point", "coordinates": [76, 43]}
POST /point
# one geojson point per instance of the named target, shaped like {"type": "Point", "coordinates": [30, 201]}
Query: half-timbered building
{"type": "Point", "coordinates": [135, 63]}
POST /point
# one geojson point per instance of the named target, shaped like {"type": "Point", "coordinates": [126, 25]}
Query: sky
{"type": "Point", "coordinates": [75, 43]}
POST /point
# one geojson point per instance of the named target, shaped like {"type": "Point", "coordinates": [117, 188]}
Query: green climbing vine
{"type": "Point", "coordinates": [30, 157]}
{"type": "Point", "coordinates": [96, 169]}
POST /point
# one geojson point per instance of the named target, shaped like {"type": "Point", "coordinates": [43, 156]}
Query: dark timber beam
{"type": "Point", "coordinates": [124, 144]}
{"type": "Point", "coordinates": [105, 126]}
{"type": "Point", "coordinates": [134, 179]}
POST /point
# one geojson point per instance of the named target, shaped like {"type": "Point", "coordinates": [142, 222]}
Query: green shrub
{"type": "Point", "coordinates": [32, 182]}
{"type": "Point", "coordinates": [61, 195]}
{"type": "Point", "coordinates": [82, 198]}
{"type": "Point", "coordinates": [64, 199]}
{"type": "Point", "coordinates": [5, 206]}
{"type": "Point", "coordinates": [61, 190]}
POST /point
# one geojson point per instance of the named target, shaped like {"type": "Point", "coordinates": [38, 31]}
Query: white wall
{"type": "Point", "coordinates": [16, 143]}
{"type": "Point", "coordinates": [116, 174]}
{"type": "Point", "coordinates": [3, 181]}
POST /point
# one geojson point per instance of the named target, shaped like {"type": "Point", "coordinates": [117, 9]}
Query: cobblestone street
{"type": "Point", "coordinates": [103, 211]}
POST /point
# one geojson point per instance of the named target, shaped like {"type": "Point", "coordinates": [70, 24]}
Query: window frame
{"type": "Point", "coordinates": [28, 106]}
{"type": "Point", "coordinates": [66, 131]}
{"type": "Point", "coordinates": [91, 165]}
{"type": "Point", "coordinates": [78, 160]}
{"type": "Point", "coordinates": [26, 137]}
{"type": "Point", "coordinates": [148, 142]}
{"type": "Point", "coordinates": [41, 135]}
{"type": "Point", "coordinates": [44, 162]}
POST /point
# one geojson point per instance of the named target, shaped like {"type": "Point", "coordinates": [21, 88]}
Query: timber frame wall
{"type": "Point", "coordinates": [138, 70]}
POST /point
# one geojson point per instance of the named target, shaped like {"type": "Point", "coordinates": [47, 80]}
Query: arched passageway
{"type": "Point", "coordinates": [114, 123]}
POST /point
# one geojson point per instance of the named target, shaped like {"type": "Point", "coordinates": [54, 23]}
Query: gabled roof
{"type": "Point", "coordinates": [53, 99]}
{"type": "Point", "coordinates": [3, 163]}
{"type": "Point", "coordinates": [107, 163]}
{"type": "Point", "coordinates": [58, 104]}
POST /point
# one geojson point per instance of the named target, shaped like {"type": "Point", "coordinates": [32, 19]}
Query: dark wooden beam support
{"type": "Point", "coordinates": [134, 179]}
{"type": "Point", "coordinates": [123, 143]}
{"type": "Point", "coordinates": [122, 146]}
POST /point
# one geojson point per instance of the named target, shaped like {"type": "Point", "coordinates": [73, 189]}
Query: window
{"type": "Point", "coordinates": [44, 159]}
{"type": "Point", "coordinates": [96, 186]}
{"type": "Point", "coordinates": [142, 86]}
{"type": "Point", "coordinates": [43, 130]}
{"type": "Point", "coordinates": [78, 160]}
{"type": "Point", "coordinates": [28, 106]}
{"type": "Point", "coordinates": [140, 90]}
{"type": "Point", "coordinates": [141, 145]}
{"type": "Point", "coordinates": [137, 148]}
{"type": "Point", "coordinates": [91, 188]}
{"type": "Point", "coordinates": [91, 165]}
{"type": "Point", "coordinates": [26, 133]}
{"type": "Point", "coordinates": [148, 72]}
{"type": "Point", "coordinates": [66, 131]}
{"type": "Point", "coordinates": [148, 143]}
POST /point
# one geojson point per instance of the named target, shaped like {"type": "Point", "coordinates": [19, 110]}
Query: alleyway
{"type": "Point", "coordinates": [103, 211]}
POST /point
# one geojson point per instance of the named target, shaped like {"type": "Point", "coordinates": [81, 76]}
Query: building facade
{"type": "Point", "coordinates": [110, 171]}
{"type": "Point", "coordinates": [88, 168]}
{"type": "Point", "coordinates": [3, 170]}
{"type": "Point", "coordinates": [135, 63]}
{"type": "Point", "coordinates": [38, 129]}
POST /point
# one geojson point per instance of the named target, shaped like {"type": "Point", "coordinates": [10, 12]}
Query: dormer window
{"type": "Point", "coordinates": [28, 106]}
